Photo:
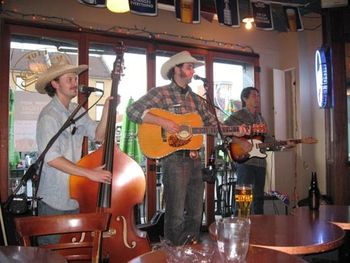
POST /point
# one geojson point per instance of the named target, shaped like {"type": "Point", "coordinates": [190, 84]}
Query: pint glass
{"type": "Point", "coordinates": [243, 199]}
{"type": "Point", "coordinates": [186, 11]}
{"type": "Point", "coordinates": [292, 19]}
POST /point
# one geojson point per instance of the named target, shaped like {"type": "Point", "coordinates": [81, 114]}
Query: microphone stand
{"type": "Point", "coordinates": [225, 148]}
{"type": "Point", "coordinates": [34, 170]}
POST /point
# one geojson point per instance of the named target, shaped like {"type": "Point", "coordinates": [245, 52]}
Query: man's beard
{"type": "Point", "coordinates": [184, 77]}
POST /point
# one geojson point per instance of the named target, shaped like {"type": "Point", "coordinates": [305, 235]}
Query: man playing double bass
{"type": "Point", "coordinates": [182, 177]}
{"type": "Point", "coordinates": [60, 82]}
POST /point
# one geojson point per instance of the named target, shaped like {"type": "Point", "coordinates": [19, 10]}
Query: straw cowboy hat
{"type": "Point", "coordinates": [179, 58]}
{"type": "Point", "coordinates": [55, 71]}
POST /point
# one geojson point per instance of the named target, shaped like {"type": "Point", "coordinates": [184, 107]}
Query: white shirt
{"type": "Point", "coordinates": [54, 184]}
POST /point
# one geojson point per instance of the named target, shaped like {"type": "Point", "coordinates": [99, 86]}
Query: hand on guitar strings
{"type": "Point", "coordinates": [98, 174]}
{"type": "Point", "coordinates": [168, 125]}
{"type": "Point", "coordinates": [243, 130]}
{"type": "Point", "coordinates": [290, 144]}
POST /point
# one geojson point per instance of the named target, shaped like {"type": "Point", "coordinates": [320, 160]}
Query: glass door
{"type": "Point", "coordinates": [230, 77]}
{"type": "Point", "coordinates": [29, 57]}
{"type": "Point", "coordinates": [197, 87]}
{"type": "Point", "coordinates": [132, 85]}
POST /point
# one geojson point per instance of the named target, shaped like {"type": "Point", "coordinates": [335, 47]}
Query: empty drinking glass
{"type": "Point", "coordinates": [233, 238]}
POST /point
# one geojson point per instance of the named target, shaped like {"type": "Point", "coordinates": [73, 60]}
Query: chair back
{"type": "Point", "coordinates": [81, 234]}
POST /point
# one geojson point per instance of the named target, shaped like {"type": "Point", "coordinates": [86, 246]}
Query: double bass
{"type": "Point", "coordinates": [123, 241]}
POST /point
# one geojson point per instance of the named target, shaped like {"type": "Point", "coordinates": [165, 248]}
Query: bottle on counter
{"type": "Point", "coordinates": [314, 193]}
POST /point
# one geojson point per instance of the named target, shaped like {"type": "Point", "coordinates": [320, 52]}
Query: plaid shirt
{"type": "Point", "coordinates": [173, 99]}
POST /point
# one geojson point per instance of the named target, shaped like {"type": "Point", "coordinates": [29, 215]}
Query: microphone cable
{"type": "Point", "coordinates": [87, 110]}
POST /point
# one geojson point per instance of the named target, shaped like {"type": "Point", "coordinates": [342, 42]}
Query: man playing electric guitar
{"type": "Point", "coordinates": [253, 171]}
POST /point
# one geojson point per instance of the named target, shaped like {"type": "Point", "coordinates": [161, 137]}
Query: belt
{"type": "Point", "coordinates": [183, 153]}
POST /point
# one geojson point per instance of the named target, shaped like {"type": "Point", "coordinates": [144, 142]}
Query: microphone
{"type": "Point", "coordinates": [196, 77]}
{"type": "Point", "coordinates": [85, 89]}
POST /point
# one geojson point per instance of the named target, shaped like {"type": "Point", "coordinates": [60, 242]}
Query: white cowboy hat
{"type": "Point", "coordinates": [55, 71]}
{"type": "Point", "coordinates": [179, 58]}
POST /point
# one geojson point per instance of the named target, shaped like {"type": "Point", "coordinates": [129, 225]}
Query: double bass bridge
{"type": "Point", "coordinates": [109, 233]}
{"type": "Point", "coordinates": [112, 232]}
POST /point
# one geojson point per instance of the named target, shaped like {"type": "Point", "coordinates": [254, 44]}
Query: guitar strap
{"type": "Point", "coordinates": [194, 98]}
{"type": "Point", "coordinates": [197, 103]}
{"type": "Point", "coordinates": [176, 106]}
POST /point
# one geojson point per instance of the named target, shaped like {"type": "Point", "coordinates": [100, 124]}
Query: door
{"type": "Point", "coordinates": [282, 165]}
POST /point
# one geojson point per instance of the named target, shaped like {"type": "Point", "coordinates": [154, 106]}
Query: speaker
{"type": "Point", "coordinates": [18, 205]}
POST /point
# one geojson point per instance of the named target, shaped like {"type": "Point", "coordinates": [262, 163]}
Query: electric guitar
{"type": "Point", "coordinates": [259, 148]}
{"type": "Point", "coordinates": [156, 143]}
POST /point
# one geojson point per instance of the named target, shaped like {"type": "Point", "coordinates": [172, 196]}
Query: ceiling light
{"type": "Point", "coordinates": [118, 6]}
{"type": "Point", "coordinates": [248, 20]}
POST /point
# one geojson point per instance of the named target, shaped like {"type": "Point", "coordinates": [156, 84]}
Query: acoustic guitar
{"type": "Point", "coordinates": [156, 143]}
{"type": "Point", "coordinates": [259, 148]}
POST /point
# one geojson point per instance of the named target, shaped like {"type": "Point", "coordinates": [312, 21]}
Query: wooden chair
{"type": "Point", "coordinates": [84, 241]}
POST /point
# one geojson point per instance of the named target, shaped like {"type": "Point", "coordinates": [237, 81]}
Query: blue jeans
{"type": "Point", "coordinates": [254, 175]}
{"type": "Point", "coordinates": [183, 195]}
{"type": "Point", "coordinates": [45, 209]}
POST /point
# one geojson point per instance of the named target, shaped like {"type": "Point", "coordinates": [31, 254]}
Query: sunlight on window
{"type": "Point", "coordinates": [228, 84]}
{"type": "Point", "coordinates": [133, 82]}
{"type": "Point", "coordinates": [100, 85]}
{"type": "Point", "coordinates": [99, 109]}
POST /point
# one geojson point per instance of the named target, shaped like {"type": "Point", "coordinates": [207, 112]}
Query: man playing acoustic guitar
{"type": "Point", "coordinates": [182, 175]}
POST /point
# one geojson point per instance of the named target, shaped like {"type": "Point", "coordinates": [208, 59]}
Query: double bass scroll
{"type": "Point", "coordinates": [124, 240]}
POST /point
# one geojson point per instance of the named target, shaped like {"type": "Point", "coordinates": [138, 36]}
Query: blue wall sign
{"type": "Point", "coordinates": [321, 73]}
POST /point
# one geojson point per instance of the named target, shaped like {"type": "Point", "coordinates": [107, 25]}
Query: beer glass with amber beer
{"type": "Point", "coordinates": [186, 11]}
{"type": "Point", "coordinates": [243, 199]}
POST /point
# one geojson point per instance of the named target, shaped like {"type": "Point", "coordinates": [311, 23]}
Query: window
{"type": "Point", "coordinates": [230, 78]}
{"type": "Point", "coordinates": [19, 83]}
{"type": "Point", "coordinates": [99, 109]}
{"type": "Point", "coordinates": [29, 55]}
{"type": "Point", "coordinates": [100, 85]}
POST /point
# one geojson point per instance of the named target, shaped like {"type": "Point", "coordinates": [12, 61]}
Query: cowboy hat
{"type": "Point", "coordinates": [179, 58]}
{"type": "Point", "coordinates": [55, 71]}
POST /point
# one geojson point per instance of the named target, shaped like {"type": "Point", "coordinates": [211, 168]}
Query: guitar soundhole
{"type": "Point", "coordinates": [184, 133]}
{"type": "Point", "coordinates": [174, 141]}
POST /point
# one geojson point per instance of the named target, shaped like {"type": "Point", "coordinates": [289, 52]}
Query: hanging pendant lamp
{"type": "Point", "coordinates": [248, 20]}
{"type": "Point", "coordinates": [118, 6]}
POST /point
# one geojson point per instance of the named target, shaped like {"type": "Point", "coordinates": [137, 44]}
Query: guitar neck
{"type": "Point", "coordinates": [212, 130]}
{"type": "Point", "coordinates": [277, 143]}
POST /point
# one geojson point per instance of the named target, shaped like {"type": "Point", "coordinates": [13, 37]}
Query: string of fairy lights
{"type": "Point", "coordinates": [136, 31]}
